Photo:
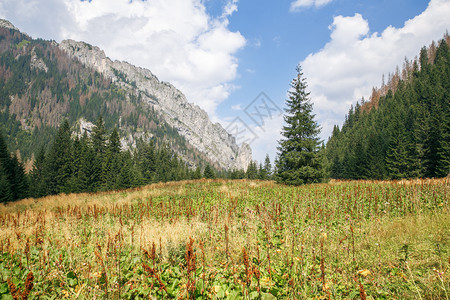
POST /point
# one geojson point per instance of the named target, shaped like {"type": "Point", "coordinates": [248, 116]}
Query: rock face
{"type": "Point", "coordinates": [190, 120]}
{"type": "Point", "coordinates": [37, 63]}
{"type": "Point", "coordinates": [7, 24]}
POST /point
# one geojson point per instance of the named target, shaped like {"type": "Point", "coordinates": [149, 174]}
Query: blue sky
{"type": "Point", "coordinates": [223, 53]}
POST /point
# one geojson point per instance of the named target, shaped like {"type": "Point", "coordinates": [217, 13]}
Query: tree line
{"type": "Point", "coordinates": [34, 100]}
{"type": "Point", "coordinates": [96, 162]}
{"type": "Point", "coordinates": [404, 130]}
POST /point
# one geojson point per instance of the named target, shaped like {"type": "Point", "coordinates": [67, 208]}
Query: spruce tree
{"type": "Point", "coordinates": [197, 173]}
{"type": "Point", "coordinates": [37, 184]}
{"type": "Point", "coordinates": [58, 167]}
{"type": "Point", "coordinates": [5, 172]}
{"type": "Point", "coordinates": [397, 157]}
{"type": "Point", "coordinates": [5, 186]}
{"type": "Point", "coordinates": [112, 163]}
{"type": "Point", "coordinates": [267, 168]}
{"type": "Point", "coordinates": [19, 184]}
{"type": "Point", "coordinates": [209, 172]}
{"type": "Point", "coordinates": [98, 139]}
{"type": "Point", "coordinates": [252, 170]}
{"type": "Point", "coordinates": [299, 160]}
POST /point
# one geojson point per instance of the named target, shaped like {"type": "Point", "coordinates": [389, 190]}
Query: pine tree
{"type": "Point", "coordinates": [37, 184]}
{"type": "Point", "coordinates": [5, 172]}
{"type": "Point", "coordinates": [88, 175]}
{"type": "Point", "coordinates": [299, 160]}
{"type": "Point", "coordinates": [126, 178]}
{"type": "Point", "coordinates": [197, 173]}
{"type": "Point", "coordinates": [98, 139]}
{"type": "Point", "coordinates": [19, 186]}
{"type": "Point", "coordinates": [209, 172]}
{"type": "Point", "coordinates": [397, 157]}
{"type": "Point", "coordinates": [265, 170]}
{"type": "Point", "coordinates": [5, 186]}
{"type": "Point", "coordinates": [59, 162]}
{"type": "Point", "coordinates": [111, 168]}
{"type": "Point", "coordinates": [252, 170]}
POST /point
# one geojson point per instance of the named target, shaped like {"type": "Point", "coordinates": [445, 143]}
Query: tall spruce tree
{"type": "Point", "coordinates": [209, 172]}
{"type": "Point", "coordinates": [20, 186]}
{"type": "Point", "coordinates": [299, 161]}
{"type": "Point", "coordinates": [59, 162]}
{"type": "Point", "coordinates": [5, 172]}
{"type": "Point", "coordinates": [267, 168]}
{"type": "Point", "coordinates": [37, 184]}
{"type": "Point", "coordinates": [252, 170]}
{"type": "Point", "coordinates": [98, 140]}
{"type": "Point", "coordinates": [112, 163]}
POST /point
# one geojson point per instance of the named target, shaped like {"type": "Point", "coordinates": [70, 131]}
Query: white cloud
{"type": "Point", "coordinates": [236, 107]}
{"type": "Point", "coordinates": [296, 5]}
{"type": "Point", "coordinates": [354, 60]}
{"type": "Point", "coordinates": [176, 39]}
{"type": "Point", "coordinates": [267, 139]}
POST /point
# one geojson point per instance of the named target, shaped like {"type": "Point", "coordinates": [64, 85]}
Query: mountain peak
{"type": "Point", "coordinates": [7, 24]}
{"type": "Point", "coordinates": [188, 119]}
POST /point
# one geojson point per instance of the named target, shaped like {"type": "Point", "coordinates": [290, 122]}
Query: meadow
{"type": "Point", "coordinates": [221, 239]}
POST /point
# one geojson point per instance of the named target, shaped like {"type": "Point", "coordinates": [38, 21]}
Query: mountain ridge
{"type": "Point", "coordinates": [148, 93]}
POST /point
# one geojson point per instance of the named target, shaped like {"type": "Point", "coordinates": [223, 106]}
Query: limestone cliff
{"type": "Point", "coordinates": [190, 120]}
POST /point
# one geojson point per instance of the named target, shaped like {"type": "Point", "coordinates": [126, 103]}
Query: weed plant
{"type": "Point", "coordinates": [218, 239]}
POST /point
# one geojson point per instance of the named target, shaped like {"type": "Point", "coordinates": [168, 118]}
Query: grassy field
{"type": "Point", "coordinates": [217, 239]}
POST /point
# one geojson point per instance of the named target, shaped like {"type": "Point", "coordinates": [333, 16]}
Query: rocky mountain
{"type": "Point", "coordinates": [78, 81]}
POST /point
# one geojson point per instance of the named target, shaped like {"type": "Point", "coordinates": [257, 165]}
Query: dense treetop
{"type": "Point", "coordinates": [404, 130]}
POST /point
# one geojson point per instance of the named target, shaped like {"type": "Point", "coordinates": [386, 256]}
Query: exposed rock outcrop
{"type": "Point", "coordinates": [37, 63]}
{"type": "Point", "coordinates": [7, 24]}
{"type": "Point", "coordinates": [190, 120]}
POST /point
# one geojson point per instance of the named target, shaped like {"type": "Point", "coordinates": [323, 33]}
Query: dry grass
{"type": "Point", "coordinates": [317, 236]}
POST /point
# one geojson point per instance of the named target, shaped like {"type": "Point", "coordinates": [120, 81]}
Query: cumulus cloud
{"type": "Point", "coordinates": [298, 4]}
{"type": "Point", "coordinates": [353, 61]}
{"type": "Point", "coordinates": [176, 39]}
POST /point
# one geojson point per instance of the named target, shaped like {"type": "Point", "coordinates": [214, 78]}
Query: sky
{"type": "Point", "coordinates": [236, 58]}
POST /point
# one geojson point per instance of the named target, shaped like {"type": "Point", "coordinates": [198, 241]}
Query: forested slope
{"type": "Point", "coordinates": [404, 130]}
{"type": "Point", "coordinates": [40, 86]}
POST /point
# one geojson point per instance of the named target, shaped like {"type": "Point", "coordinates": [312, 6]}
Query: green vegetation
{"type": "Point", "coordinates": [88, 164]}
{"type": "Point", "coordinates": [34, 101]}
{"type": "Point", "coordinates": [96, 162]}
{"type": "Point", "coordinates": [13, 180]}
{"type": "Point", "coordinates": [299, 158]}
{"type": "Point", "coordinates": [217, 239]}
{"type": "Point", "coordinates": [404, 130]}
{"type": "Point", "coordinates": [22, 44]}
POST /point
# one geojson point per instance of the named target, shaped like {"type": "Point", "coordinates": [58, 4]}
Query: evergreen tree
{"type": "Point", "coordinates": [237, 174]}
{"type": "Point", "coordinates": [209, 172]}
{"type": "Point", "coordinates": [397, 157]}
{"type": "Point", "coordinates": [98, 139]}
{"type": "Point", "coordinates": [59, 162]}
{"type": "Point", "coordinates": [19, 184]}
{"type": "Point", "coordinates": [126, 176]}
{"type": "Point", "coordinates": [163, 159]}
{"type": "Point", "coordinates": [261, 172]}
{"type": "Point", "coordinates": [112, 164]}
{"type": "Point", "coordinates": [5, 172]}
{"type": "Point", "coordinates": [37, 184]}
{"type": "Point", "coordinates": [88, 175]}
{"type": "Point", "coordinates": [252, 170]}
{"type": "Point", "coordinates": [299, 161]}
{"type": "Point", "coordinates": [197, 173]}
{"type": "Point", "coordinates": [5, 186]}
{"type": "Point", "coordinates": [267, 168]}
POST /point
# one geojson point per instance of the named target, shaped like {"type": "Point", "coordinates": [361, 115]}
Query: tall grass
{"type": "Point", "coordinates": [232, 239]}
